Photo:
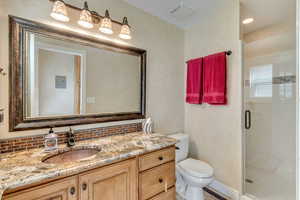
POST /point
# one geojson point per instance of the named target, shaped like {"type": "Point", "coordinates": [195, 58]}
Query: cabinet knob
{"type": "Point", "coordinates": [72, 190]}
{"type": "Point", "coordinates": [161, 180]}
{"type": "Point", "coordinates": [160, 158]}
{"type": "Point", "coordinates": [84, 186]}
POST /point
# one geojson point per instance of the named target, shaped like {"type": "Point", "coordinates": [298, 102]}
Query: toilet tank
{"type": "Point", "coordinates": [183, 145]}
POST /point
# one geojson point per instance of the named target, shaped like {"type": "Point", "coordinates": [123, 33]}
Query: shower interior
{"type": "Point", "coordinates": [269, 62]}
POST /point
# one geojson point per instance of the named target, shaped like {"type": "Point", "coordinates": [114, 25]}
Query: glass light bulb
{"type": "Point", "coordinates": [106, 26]}
{"type": "Point", "coordinates": [59, 11]}
{"type": "Point", "coordinates": [85, 19]}
{"type": "Point", "coordinates": [125, 32]}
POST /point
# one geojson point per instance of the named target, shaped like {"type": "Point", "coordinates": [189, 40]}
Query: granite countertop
{"type": "Point", "coordinates": [26, 167]}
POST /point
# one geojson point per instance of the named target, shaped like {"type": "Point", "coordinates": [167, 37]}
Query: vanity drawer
{"type": "Point", "coordinates": [156, 158]}
{"type": "Point", "coordinates": [156, 180]}
{"type": "Point", "coordinates": [169, 195]}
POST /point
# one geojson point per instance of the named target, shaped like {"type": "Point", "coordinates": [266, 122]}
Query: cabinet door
{"type": "Point", "coordinates": [65, 189]}
{"type": "Point", "coordinates": [114, 182]}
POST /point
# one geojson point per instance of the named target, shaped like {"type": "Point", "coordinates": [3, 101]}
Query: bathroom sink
{"type": "Point", "coordinates": [71, 155]}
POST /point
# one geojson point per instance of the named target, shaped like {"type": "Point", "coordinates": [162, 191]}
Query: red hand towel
{"type": "Point", "coordinates": [214, 79]}
{"type": "Point", "coordinates": [194, 81]}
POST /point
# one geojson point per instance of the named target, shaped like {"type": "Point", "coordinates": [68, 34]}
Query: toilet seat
{"type": "Point", "coordinates": [196, 168]}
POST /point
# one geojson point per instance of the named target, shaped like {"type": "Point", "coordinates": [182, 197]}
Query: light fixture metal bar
{"type": "Point", "coordinates": [95, 14]}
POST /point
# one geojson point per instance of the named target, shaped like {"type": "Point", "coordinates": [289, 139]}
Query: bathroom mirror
{"type": "Point", "coordinates": [63, 78]}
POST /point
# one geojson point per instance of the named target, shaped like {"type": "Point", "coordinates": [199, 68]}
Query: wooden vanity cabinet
{"type": "Point", "coordinates": [114, 182]}
{"type": "Point", "coordinates": [169, 195]}
{"type": "Point", "coordinates": [64, 189]}
{"type": "Point", "coordinates": [156, 180]}
{"type": "Point", "coordinates": [157, 175]}
{"type": "Point", "coordinates": [147, 177]}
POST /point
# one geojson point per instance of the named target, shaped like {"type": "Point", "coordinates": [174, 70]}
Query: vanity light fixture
{"type": "Point", "coordinates": [86, 19]}
{"type": "Point", "coordinates": [106, 25]}
{"type": "Point", "coordinates": [59, 11]}
{"type": "Point", "coordinates": [125, 30]}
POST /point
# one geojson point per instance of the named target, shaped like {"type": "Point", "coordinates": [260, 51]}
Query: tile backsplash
{"type": "Point", "coordinates": [31, 142]}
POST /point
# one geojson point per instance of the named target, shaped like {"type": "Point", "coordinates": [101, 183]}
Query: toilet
{"type": "Point", "coordinates": [192, 175]}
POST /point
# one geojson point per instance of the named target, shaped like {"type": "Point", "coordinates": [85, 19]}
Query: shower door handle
{"type": "Point", "coordinates": [247, 119]}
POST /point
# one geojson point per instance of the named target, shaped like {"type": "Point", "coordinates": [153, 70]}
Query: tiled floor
{"type": "Point", "coordinates": [206, 195]}
{"type": "Point", "coordinates": [271, 184]}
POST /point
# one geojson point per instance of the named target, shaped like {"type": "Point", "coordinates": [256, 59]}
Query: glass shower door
{"type": "Point", "coordinates": [270, 102]}
{"type": "Point", "coordinates": [270, 126]}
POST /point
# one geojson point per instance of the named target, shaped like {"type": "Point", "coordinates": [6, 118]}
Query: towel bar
{"type": "Point", "coordinates": [228, 53]}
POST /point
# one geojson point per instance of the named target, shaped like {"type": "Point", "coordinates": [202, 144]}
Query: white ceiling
{"type": "Point", "coordinates": [162, 9]}
{"type": "Point", "coordinates": [265, 12]}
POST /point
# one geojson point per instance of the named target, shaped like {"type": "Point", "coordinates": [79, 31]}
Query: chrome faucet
{"type": "Point", "coordinates": [70, 138]}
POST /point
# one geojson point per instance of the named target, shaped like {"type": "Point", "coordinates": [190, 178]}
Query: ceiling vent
{"type": "Point", "coordinates": [182, 11]}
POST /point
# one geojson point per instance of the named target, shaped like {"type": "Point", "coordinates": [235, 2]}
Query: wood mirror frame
{"type": "Point", "coordinates": [18, 56]}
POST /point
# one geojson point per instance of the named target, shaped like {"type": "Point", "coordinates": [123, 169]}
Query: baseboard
{"type": "Point", "coordinates": [215, 194]}
{"type": "Point", "coordinates": [225, 190]}
{"type": "Point", "coordinates": [246, 198]}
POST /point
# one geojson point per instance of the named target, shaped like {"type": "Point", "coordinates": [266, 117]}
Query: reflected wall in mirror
{"type": "Point", "coordinates": [66, 78]}
{"type": "Point", "coordinates": [61, 78]}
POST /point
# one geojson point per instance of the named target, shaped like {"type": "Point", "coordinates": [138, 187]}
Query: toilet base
{"type": "Point", "coordinates": [194, 193]}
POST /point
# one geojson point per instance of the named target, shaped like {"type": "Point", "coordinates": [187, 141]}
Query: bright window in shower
{"type": "Point", "coordinates": [261, 78]}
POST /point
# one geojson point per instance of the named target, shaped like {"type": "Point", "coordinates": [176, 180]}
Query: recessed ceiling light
{"type": "Point", "coordinates": [248, 21]}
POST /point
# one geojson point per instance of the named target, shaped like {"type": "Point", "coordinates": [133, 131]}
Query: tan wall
{"type": "Point", "coordinates": [117, 79]}
{"type": "Point", "coordinates": [164, 43]}
{"type": "Point", "coordinates": [215, 131]}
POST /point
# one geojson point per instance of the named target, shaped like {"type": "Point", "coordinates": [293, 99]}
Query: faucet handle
{"type": "Point", "coordinates": [71, 138]}
{"type": "Point", "coordinates": [51, 130]}
{"type": "Point", "coordinates": [71, 132]}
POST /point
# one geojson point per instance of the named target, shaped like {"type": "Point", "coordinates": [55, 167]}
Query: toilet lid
{"type": "Point", "coordinates": [196, 168]}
